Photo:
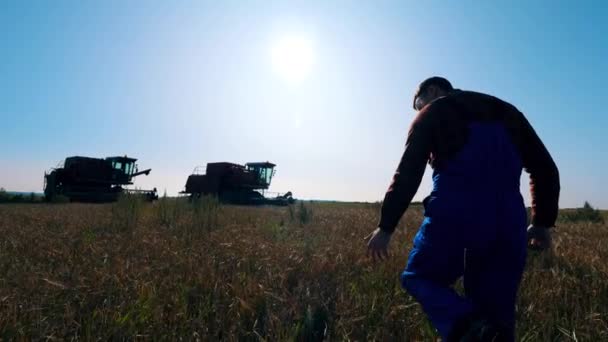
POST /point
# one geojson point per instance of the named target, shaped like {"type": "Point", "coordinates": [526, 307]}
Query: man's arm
{"type": "Point", "coordinates": [409, 173]}
{"type": "Point", "coordinates": [544, 177]}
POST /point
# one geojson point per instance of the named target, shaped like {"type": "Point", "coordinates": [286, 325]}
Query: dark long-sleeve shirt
{"type": "Point", "coordinates": [439, 131]}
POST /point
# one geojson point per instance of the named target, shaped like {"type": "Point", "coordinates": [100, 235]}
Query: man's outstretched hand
{"type": "Point", "coordinates": [539, 238]}
{"type": "Point", "coordinates": [377, 246]}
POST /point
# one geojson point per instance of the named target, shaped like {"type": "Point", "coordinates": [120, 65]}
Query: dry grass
{"type": "Point", "coordinates": [166, 270]}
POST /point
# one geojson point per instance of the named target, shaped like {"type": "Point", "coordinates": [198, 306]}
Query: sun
{"type": "Point", "coordinates": [293, 58]}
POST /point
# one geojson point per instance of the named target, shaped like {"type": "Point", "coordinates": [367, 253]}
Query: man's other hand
{"type": "Point", "coordinates": [377, 245]}
{"type": "Point", "coordinates": [539, 238]}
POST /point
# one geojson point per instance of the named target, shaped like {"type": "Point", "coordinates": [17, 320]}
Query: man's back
{"type": "Point", "coordinates": [476, 143]}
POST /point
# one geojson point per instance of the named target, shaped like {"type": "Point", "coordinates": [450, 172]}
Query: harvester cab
{"type": "Point", "coordinates": [124, 169]}
{"type": "Point", "coordinates": [263, 171]}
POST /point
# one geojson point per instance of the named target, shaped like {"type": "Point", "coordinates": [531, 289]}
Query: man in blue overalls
{"type": "Point", "coordinates": [474, 219]}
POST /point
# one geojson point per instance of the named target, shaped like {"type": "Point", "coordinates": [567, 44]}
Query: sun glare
{"type": "Point", "coordinates": [293, 57]}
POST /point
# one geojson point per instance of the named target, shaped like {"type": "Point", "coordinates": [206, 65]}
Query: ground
{"type": "Point", "coordinates": [173, 269]}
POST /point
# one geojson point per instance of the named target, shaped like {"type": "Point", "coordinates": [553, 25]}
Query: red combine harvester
{"type": "Point", "coordinates": [236, 184]}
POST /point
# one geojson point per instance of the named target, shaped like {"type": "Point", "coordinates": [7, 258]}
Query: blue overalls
{"type": "Point", "coordinates": [474, 226]}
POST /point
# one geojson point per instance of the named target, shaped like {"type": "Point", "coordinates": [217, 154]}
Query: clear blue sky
{"type": "Point", "coordinates": [178, 84]}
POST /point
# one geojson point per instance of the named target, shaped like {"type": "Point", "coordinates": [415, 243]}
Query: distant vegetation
{"type": "Point", "coordinates": [9, 197]}
{"type": "Point", "coordinates": [585, 214]}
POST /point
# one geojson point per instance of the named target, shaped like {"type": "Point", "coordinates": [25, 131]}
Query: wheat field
{"type": "Point", "coordinates": [202, 271]}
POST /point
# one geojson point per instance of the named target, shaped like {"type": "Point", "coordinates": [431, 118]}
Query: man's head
{"type": "Point", "coordinates": [431, 89]}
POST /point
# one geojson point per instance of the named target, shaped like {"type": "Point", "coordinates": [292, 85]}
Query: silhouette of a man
{"type": "Point", "coordinates": [474, 219]}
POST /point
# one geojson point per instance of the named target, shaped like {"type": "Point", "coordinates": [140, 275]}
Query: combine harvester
{"type": "Point", "coordinates": [84, 179]}
{"type": "Point", "coordinates": [236, 184]}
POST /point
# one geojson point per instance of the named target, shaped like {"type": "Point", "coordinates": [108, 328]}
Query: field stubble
{"type": "Point", "coordinates": [203, 271]}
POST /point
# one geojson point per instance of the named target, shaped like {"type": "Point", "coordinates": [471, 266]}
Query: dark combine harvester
{"type": "Point", "coordinates": [236, 184]}
{"type": "Point", "coordinates": [84, 179]}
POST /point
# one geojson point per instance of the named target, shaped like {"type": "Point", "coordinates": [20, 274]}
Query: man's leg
{"type": "Point", "coordinates": [491, 282]}
{"type": "Point", "coordinates": [432, 269]}
{"type": "Point", "coordinates": [493, 273]}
